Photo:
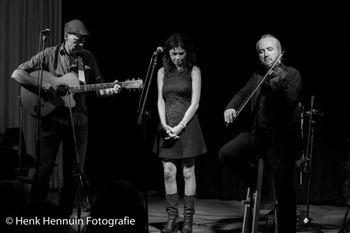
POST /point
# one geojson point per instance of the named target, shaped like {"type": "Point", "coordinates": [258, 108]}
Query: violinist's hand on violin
{"type": "Point", "coordinates": [278, 83]}
{"type": "Point", "coordinates": [229, 115]}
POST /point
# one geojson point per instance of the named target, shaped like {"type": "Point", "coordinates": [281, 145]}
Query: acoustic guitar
{"type": "Point", "coordinates": [68, 82]}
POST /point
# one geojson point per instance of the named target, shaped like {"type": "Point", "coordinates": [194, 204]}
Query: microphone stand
{"type": "Point", "coordinates": [308, 161]}
{"type": "Point", "coordinates": [43, 36]}
{"type": "Point", "coordinates": [78, 173]}
{"type": "Point", "coordinates": [144, 115]}
{"type": "Point", "coordinates": [308, 225]}
{"type": "Point", "coordinates": [301, 165]}
{"type": "Point", "coordinates": [144, 94]}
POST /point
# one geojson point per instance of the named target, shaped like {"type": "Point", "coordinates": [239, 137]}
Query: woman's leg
{"type": "Point", "coordinates": [171, 197]}
{"type": "Point", "coordinates": [190, 191]}
{"type": "Point", "coordinates": [190, 180]}
{"type": "Point", "coordinates": [170, 177]}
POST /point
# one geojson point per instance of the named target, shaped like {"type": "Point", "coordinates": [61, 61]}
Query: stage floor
{"type": "Point", "coordinates": [226, 216]}
{"type": "Point", "coordinates": [214, 216]}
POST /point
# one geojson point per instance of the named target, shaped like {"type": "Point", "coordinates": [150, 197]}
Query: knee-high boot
{"type": "Point", "coordinates": [172, 224]}
{"type": "Point", "coordinates": [188, 214]}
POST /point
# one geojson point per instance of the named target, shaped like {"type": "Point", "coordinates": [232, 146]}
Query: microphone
{"type": "Point", "coordinates": [45, 31]}
{"type": "Point", "coordinates": [158, 51]}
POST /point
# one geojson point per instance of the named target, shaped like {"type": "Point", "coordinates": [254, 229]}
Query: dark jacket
{"type": "Point", "coordinates": [280, 114]}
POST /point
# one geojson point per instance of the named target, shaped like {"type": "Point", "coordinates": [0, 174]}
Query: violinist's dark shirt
{"type": "Point", "coordinates": [274, 107]}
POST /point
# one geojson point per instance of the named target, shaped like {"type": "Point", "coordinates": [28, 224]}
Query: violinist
{"type": "Point", "coordinates": [272, 130]}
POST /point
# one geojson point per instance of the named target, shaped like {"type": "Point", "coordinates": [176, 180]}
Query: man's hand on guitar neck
{"type": "Point", "coordinates": [110, 91]}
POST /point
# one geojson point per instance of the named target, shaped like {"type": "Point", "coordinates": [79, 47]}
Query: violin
{"type": "Point", "coordinates": [276, 73]}
{"type": "Point", "coordinates": [277, 78]}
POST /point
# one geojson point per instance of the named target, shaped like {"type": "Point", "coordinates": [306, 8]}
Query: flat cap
{"type": "Point", "coordinates": [76, 27]}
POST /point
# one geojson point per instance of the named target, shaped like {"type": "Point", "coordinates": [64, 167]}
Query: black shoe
{"type": "Point", "coordinates": [187, 227]}
{"type": "Point", "coordinates": [172, 226]}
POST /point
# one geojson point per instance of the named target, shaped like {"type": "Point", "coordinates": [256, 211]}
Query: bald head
{"type": "Point", "coordinates": [269, 37]}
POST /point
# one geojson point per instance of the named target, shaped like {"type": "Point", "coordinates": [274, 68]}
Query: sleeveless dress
{"type": "Point", "coordinates": [177, 91]}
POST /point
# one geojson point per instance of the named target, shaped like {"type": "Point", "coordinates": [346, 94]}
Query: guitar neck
{"type": "Point", "coordinates": [91, 87]}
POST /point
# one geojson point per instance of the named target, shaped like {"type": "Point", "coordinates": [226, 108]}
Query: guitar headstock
{"type": "Point", "coordinates": [132, 84]}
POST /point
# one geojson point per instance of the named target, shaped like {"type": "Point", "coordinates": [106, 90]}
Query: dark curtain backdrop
{"type": "Point", "coordinates": [20, 24]}
{"type": "Point", "coordinates": [124, 36]}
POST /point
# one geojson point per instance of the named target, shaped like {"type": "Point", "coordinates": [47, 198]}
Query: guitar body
{"type": "Point", "coordinates": [61, 84]}
{"type": "Point", "coordinates": [29, 98]}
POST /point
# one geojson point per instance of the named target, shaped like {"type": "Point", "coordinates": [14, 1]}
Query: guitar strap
{"type": "Point", "coordinates": [81, 73]}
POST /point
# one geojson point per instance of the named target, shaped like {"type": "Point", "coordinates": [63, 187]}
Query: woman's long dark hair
{"type": "Point", "coordinates": [176, 40]}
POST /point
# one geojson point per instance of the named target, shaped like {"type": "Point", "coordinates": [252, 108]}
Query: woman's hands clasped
{"type": "Point", "coordinates": [173, 133]}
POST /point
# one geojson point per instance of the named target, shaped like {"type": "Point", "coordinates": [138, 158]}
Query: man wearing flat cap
{"type": "Point", "coordinates": [61, 61]}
